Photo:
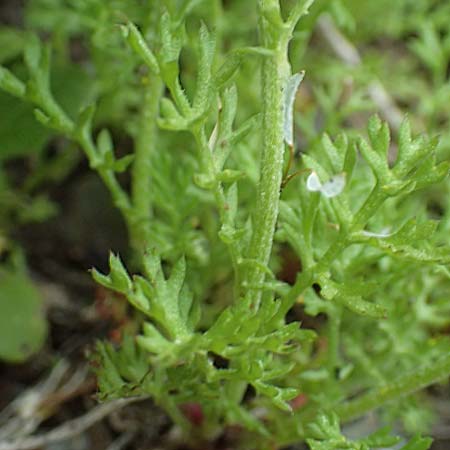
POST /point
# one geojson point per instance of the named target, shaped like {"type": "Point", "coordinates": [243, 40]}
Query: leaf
{"type": "Point", "coordinates": [381, 438]}
{"type": "Point", "coordinates": [418, 443]}
{"type": "Point", "coordinates": [335, 152]}
{"type": "Point", "coordinates": [230, 176]}
{"type": "Point", "coordinates": [122, 164]}
{"type": "Point", "coordinates": [33, 55]}
{"type": "Point", "coordinates": [23, 328]}
{"type": "Point", "coordinates": [344, 295]}
{"type": "Point", "coordinates": [120, 371]}
{"type": "Point", "coordinates": [137, 42]}
{"type": "Point", "coordinates": [379, 136]}
{"type": "Point", "coordinates": [325, 426]}
{"type": "Point", "coordinates": [104, 139]}
{"type": "Point", "coordinates": [72, 87]}
{"type": "Point", "coordinates": [225, 121]}
{"type": "Point", "coordinates": [378, 164]}
{"type": "Point", "coordinates": [152, 340]}
{"type": "Point", "coordinates": [118, 278]}
{"type": "Point", "coordinates": [170, 118]}
{"type": "Point", "coordinates": [413, 153]}
{"type": "Point", "coordinates": [84, 124]}
{"type": "Point", "coordinates": [12, 42]}
{"type": "Point", "coordinates": [227, 70]}
{"type": "Point", "coordinates": [15, 117]}
{"type": "Point", "coordinates": [10, 83]}
{"type": "Point", "coordinates": [410, 242]}
{"type": "Point", "coordinates": [279, 396]}
{"type": "Point", "coordinates": [203, 97]}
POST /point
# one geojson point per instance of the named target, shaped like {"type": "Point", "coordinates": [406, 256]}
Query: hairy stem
{"type": "Point", "coordinates": [405, 385]}
{"type": "Point", "coordinates": [275, 72]}
{"type": "Point", "coordinates": [146, 142]}
{"type": "Point", "coordinates": [218, 191]}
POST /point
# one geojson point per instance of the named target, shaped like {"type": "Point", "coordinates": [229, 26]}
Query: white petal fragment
{"type": "Point", "coordinates": [290, 92]}
{"type": "Point", "coordinates": [313, 183]}
{"type": "Point", "coordinates": [333, 187]}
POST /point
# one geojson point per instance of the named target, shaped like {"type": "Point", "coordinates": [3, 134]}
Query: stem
{"type": "Point", "coordinates": [208, 166]}
{"type": "Point", "coordinates": [146, 142]}
{"type": "Point", "coordinates": [360, 220]}
{"type": "Point", "coordinates": [405, 385]}
{"type": "Point", "coordinates": [368, 209]}
{"type": "Point", "coordinates": [275, 72]}
{"type": "Point", "coordinates": [119, 196]}
{"type": "Point", "coordinates": [334, 328]}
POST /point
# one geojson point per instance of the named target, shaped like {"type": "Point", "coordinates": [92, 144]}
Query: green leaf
{"type": "Point", "coordinates": [122, 164]}
{"type": "Point", "coordinates": [152, 340]}
{"type": "Point", "coordinates": [279, 396]}
{"type": "Point", "coordinates": [23, 328]}
{"type": "Point", "coordinates": [137, 42]}
{"type": "Point", "coordinates": [418, 443]}
{"type": "Point", "coordinates": [170, 118]}
{"type": "Point", "coordinates": [377, 162]}
{"type": "Point", "coordinates": [410, 242]}
{"type": "Point", "coordinates": [379, 136]}
{"type": "Point", "coordinates": [325, 426]}
{"type": "Point", "coordinates": [203, 94]}
{"type": "Point", "coordinates": [84, 124]}
{"type": "Point", "coordinates": [381, 438]}
{"type": "Point", "coordinates": [14, 118]}
{"type": "Point", "coordinates": [230, 176]}
{"type": "Point", "coordinates": [122, 371]}
{"type": "Point", "coordinates": [345, 295]}
{"type": "Point", "coordinates": [227, 70]}
{"type": "Point", "coordinates": [118, 278]}
{"type": "Point", "coordinates": [105, 144]}
{"type": "Point", "coordinates": [11, 84]}
{"type": "Point", "coordinates": [33, 55]}
{"type": "Point", "coordinates": [12, 42]}
{"type": "Point", "coordinates": [72, 88]}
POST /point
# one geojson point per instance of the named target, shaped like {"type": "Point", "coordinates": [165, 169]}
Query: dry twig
{"type": "Point", "coordinates": [69, 429]}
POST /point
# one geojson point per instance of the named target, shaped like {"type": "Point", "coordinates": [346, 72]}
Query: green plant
{"type": "Point", "coordinates": [214, 183]}
{"type": "Point", "coordinates": [22, 321]}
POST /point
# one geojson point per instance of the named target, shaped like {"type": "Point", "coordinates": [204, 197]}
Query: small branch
{"type": "Point", "coordinates": [401, 387]}
{"type": "Point", "coordinates": [276, 70]}
{"type": "Point", "coordinates": [122, 441]}
{"type": "Point", "coordinates": [23, 415]}
{"type": "Point", "coordinates": [346, 51]}
{"type": "Point", "coordinates": [145, 146]}
{"type": "Point", "coordinates": [69, 429]}
{"type": "Point", "coordinates": [209, 166]}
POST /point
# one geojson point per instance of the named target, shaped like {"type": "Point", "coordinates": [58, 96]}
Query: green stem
{"type": "Point", "coordinates": [372, 204]}
{"type": "Point", "coordinates": [145, 145]}
{"type": "Point", "coordinates": [368, 209]}
{"type": "Point", "coordinates": [119, 196]}
{"type": "Point", "coordinates": [208, 166]}
{"type": "Point", "coordinates": [334, 328]}
{"type": "Point", "coordinates": [275, 72]}
{"type": "Point", "coordinates": [405, 385]}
